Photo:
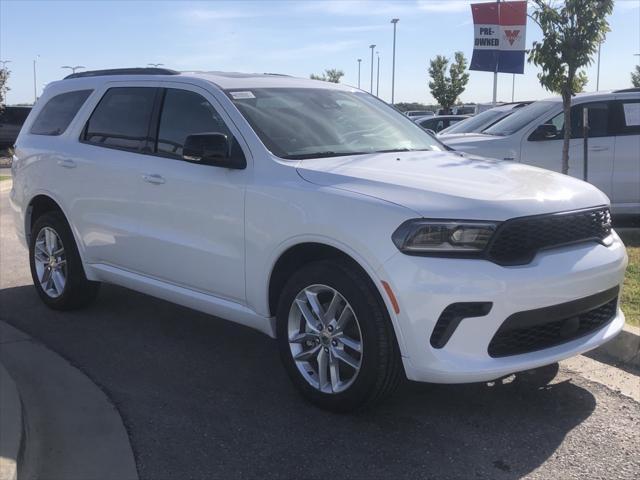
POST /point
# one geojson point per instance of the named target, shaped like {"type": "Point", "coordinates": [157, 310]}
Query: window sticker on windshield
{"type": "Point", "coordinates": [632, 114]}
{"type": "Point", "coordinates": [242, 95]}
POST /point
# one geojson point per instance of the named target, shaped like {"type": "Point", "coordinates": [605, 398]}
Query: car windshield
{"type": "Point", "coordinates": [519, 119]}
{"type": "Point", "coordinates": [299, 123]}
{"type": "Point", "coordinates": [477, 123]}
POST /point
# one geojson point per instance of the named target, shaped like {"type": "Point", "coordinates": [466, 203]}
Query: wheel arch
{"type": "Point", "coordinates": [293, 257]}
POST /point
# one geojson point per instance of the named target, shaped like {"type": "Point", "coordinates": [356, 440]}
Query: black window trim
{"type": "Point", "coordinates": [154, 126]}
{"type": "Point", "coordinates": [83, 132]}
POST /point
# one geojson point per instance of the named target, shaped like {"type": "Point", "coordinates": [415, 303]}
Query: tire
{"type": "Point", "coordinates": [369, 374]}
{"type": "Point", "coordinates": [75, 291]}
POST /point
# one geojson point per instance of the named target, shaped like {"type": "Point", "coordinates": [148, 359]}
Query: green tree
{"type": "Point", "coordinates": [4, 79]}
{"type": "Point", "coordinates": [332, 75]}
{"type": "Point", "coordinates": [571, 33]}
{"type": "Point", "coordinates": [446, 90]}
{"type": "Point", "coordinates": [635, 77]}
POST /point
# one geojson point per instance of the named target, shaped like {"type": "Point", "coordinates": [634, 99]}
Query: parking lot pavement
{"type": "Point", "coordinates": [203, 398]}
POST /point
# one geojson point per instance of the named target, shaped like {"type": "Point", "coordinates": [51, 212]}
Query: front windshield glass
{"type": "Point", "coordinates": [519, 119]}
{"type": "Point", "coordinates": [298, 123]}
{"type": "Point", "coordinates": [475, 124]}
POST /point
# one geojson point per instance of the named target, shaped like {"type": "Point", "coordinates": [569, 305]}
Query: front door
{"type": "Point", "coordinates": [191, 217]}
{"type": "Point", "coordinates": [547, 152]}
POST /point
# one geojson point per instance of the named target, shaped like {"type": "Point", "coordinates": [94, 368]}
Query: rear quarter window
{"type": "Point", "coordinates": [56, 115]}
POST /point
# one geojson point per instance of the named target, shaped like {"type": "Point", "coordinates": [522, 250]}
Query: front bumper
{"type": "Point", "coordinates": [425, 286]}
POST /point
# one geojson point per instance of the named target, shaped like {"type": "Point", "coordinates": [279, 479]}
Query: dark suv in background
{"type": "Point", "coordinates": [11, 120]}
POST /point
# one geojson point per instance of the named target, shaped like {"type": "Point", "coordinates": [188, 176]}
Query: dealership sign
{"type": "Point", "coordinates": [499, 36]}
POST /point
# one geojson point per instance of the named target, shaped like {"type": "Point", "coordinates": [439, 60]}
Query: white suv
{"type": "Point", "coordinates": [319, 215]}
{"type": "Point", "coordinates": [534, 135]}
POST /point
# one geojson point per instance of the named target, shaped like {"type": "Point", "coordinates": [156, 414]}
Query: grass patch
{"type": "Point", "coordinates": [4, 177]}
{"type": "Point", "coordinates": [631, 288]}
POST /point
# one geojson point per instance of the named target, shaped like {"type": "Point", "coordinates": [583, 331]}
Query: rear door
{"type": "Point", "coordinates": [102, 172]}
{"type": "Point", "coordinates": [626, 170]}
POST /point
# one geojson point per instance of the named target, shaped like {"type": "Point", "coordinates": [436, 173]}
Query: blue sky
{"type": "Point", "coordinates": [292, 37]}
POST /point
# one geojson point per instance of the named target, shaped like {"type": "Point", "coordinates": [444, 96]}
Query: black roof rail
{"type": "Point", "coordinates": [627, 90]}
{"type": "Point", "coordinates": [123, 71]}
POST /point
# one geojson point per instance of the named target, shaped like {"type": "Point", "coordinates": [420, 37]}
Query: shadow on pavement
{"type": "Point", "coordinates": [202, 397]}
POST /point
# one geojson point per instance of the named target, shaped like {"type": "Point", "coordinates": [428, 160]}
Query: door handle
{"type": "Point", "coordinates": [598, 149]}
{"type": "Point", "coordinates": [153, 178]}
{"type": "Point", "coordinates": [67, 163]}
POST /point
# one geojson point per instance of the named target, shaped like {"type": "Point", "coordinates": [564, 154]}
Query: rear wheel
{"type": "Point", "coordinates": [56, 267]}
{"type": "Point", "coordinates": [335, 338]}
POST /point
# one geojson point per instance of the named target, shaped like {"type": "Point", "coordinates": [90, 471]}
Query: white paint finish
{"type": "Point", "coordinates": [208, 237]}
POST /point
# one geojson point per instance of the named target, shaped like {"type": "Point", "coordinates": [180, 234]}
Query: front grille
{"type": "Point", "coordinates": [517, 241]}
{"type": "Point", "coordinates": [533, 330]}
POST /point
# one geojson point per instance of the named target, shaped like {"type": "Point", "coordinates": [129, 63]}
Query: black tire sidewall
{"type": "Point", "coordinates": [76, 280]}
{"type": "Point", "coordinates": [371, 318]}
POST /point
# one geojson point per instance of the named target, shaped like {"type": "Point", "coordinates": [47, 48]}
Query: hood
{"type": "Point", "coordinates": [490, 146]}
{"type": "Point", "coordinates": [453, 185]}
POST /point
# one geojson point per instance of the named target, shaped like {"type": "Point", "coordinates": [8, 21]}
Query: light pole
{"type": "Point", "coordinates": [155, 65]}
{"type": "Point", "coordinates": [371, 86]}
{"type": "Point", "coordinates": [598, 74]}
{"type": "Point", "coordinates": [73, 69]}
{"type": "Point", "coordinates": [35, 90]}
{"type": "Point", "coordinates": [378, 76]}
{"type": "Point", "coordinates": [393, 62]}
{"type": "Point", "coordinates": [359, 63]}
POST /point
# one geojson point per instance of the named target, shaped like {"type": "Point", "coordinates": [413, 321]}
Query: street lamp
{"type": "Point", "coordinates": [378, 76]}
{"type": "Point", "coordinates": [359, 63]}
{"type": "Point", "coordinates": [4, 63]}
{"type": "Point", "coordinates": [73, 69]}
{"type": "Point", "coordinates": [35, 89]}
{"type": "Point", "coordinates": [393, 62]}
{"type": "Point", "coordinates": [155, 65]}
{"type": "Point", "coordinates": [371, 47]}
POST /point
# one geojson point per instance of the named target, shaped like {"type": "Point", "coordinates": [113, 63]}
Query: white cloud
{"type": "Point", "coordinates": [444, 6]}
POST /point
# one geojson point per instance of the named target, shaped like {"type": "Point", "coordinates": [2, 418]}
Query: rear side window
{"type": "Point", "coordinates": [56, 115]}
{"type": "Point", "coordinates": [122, 118]}
{"type": "Point", "coordinates": [185, 113]}
{"type": "Point", "coordinates": [627, 117]}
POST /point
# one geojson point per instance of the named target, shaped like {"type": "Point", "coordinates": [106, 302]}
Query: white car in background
{"type": "Point", "coordinates": [481, 121]}
{"type": "Point", "coordinates": [534, 135]}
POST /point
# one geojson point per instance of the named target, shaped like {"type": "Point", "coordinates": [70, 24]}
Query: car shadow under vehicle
{"type": "Point", "coordinates": [204, 398]}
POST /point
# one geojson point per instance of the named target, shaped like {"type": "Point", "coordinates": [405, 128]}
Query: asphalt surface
{"type": "Point", "coordinates": [203, 398]}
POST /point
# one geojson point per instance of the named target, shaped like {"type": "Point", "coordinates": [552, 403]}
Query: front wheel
{"type": "Point", "coordinates": [335, 337]}
{"type": "Point", "coordinates": [56, 267]}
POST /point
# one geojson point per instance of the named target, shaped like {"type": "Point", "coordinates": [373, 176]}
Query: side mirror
{"type": "Point", "coordinates": [213, 149]}
{"type": "Point", "coordinates": [430, 132]}
{"type": "Point", "coordinates": [546, 131]}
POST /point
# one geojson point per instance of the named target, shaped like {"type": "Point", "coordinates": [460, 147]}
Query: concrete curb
{"type": "Point", "coordinates": [10, 426]}
{"type": "Point", "coordinates": [70, 428]}
{"type": "Point", "coordinates": [623, 349]}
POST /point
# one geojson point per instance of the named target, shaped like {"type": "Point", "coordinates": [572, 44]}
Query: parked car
{"type": "Point", "coordinates": [534, 135]}
{"type": "Point", "coordinates": [319, 215]}
{"type": "Point", "coordinates": [482, 120]}
{"type": "Point", "coordinates": [11, 120]}
{"type": "Point", "coordinates": [419, 113]}
{"type": "Point", "coordinates": [439, 122]}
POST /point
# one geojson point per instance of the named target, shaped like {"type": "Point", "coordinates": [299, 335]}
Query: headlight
{"type": "Point", "coordinates": [430, 237]}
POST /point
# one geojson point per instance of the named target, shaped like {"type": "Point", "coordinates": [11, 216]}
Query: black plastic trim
{"type": "Point", "coordinates": [451, 317]}
{"type": "Point", "coordinates": [122, 71]}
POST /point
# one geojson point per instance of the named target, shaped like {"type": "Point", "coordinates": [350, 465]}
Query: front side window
{"type": "Point", "coordinates": [122, 118]}
{"type": "Point", "coordinates": [185, 113]}
{"type": "Point", "coordinates": [598, 121]}
{"type": "Point", "coordinates": [56, 115]}
{"type": "Point", "coordinates": [298, 123]}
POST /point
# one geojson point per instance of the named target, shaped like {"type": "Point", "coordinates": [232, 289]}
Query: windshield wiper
{"type": "Point", "coordinates": [303, 156]}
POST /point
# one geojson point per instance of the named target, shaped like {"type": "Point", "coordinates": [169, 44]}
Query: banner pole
{"type": "Point", "coordinates": [495, 74]}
